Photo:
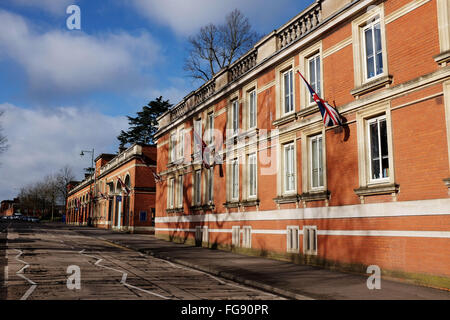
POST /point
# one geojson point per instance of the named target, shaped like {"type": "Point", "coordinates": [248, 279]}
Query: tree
{"type": "Point", "coordinates": [3, 140]}
{"type": "Point", "coordinates": [144, 126]}
{"type": "Point", "coordinates": [63, 177]}
{"type": "Point", "coordinates": [215, 47]}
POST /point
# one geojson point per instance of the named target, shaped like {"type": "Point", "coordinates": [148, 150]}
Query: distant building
{"type": "Point", "coordinates": [121, 194]}
{"type": "Point", "coordinates": [9, 207]}
{"type": "Point", "coordinates": [375, 192]}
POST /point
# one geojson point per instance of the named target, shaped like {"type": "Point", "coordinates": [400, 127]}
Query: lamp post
{"type": "Point", "coordinates": [90, 186]}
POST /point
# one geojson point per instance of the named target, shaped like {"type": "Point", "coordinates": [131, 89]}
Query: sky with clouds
{"type": "Point", "coordinates": [66, 90]}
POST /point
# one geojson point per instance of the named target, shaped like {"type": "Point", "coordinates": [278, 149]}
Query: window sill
{"type": "Point", "coordinates": [174, 210]}
{"type": "Point", "coordinates": [285, 119]}
{"type": "Point", "coordinates": [307, 111]}
{"type": "Point", "coordinates": [196, 207]}
{"type": "Point", "coordinates": [231, 204]}
{"type": "Point", "coordinates": [287, 199]}
{"type": "Point", "coordinates": [377, 189]}
{"type": "Point", "coordinates": [443, 58]}
{"type": "Point", "coordinates": [372, 85]}
{"type": "Point", "coordinates": [250, 203]}
{"type": "Point", "coordinates": [315, 195]}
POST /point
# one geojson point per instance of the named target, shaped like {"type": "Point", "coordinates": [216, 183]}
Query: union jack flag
{"type": "Point", "coordinates": [329, 114]}
{"type": "Point", "coordinates": [157, 177]}
{"type": "Point", "coordinates": [124, 186]}
{"type": "Point", "coordinates": [205, 150]}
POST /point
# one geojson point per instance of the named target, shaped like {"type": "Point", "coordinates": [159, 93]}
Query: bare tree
{"type": "Point", "coordinates": [3, 140]}
{"type": "Point", "coordinates": [215, 47]}
{"type": "Point", "coordinates": [63, 177]}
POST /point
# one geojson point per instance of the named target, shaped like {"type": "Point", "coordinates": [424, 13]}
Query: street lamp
{"type": "Point", "coordinates": [90, 187]}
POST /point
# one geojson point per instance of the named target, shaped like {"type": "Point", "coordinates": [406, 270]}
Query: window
{"type": "Point", "coordinates": [180, 192]}
{"type": "Point", "coordinates": [181, 144]}
{"type": "Point", "coordinates": [210, 130]}
{"type": "Point", "coordinates": [252, 109]}
{"type": "Point", "coordinates": [289, 169]}
{"type": "Point", "coordinates": [247, 237]}
{"type": "Point", "coordinates": [373, 50]}
{"type": "Point", "coordinates": [198, 235]}
{"type": "Point", "coordinates": [209, 185]}
{"type": "Point", "coordinates": [370, 51]}
{"type": "Point", "coordinates": [314, 76]}
{"type": "Point", "coordinates": [288, 92]}
{"type": "Point", "coordinates": [143, 216]}
{"type": "Point", "coordinates": [252, 175]}
{"type": "Point", "coordinates": [316, 161]}
{"type": "Point", "coordinates": [197, 186]}
{"type": "Point", "coordinates": [292, 239]}
{"type": "Point", "coordinates": [310, 240]}
{"type": "Point", "coordinates": [378, 145]}
{"type": "Point", "coordinates": [235, 117]}
{"type": "Point", "coordinates": [198, 133]}
{"type": "Point", "coordinates": [235, 236]}
{"type": "Point", "coordinates": [205, 236]}
{"type": "Point", "coordinates": [235, 179]}
{"type": "Point", "coordinates": [171, 192]}
{"type": "Point", "coordinates": [173, 144]}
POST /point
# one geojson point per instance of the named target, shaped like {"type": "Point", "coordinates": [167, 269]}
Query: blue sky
{"type": "Point", "coordinates": [63, 91]}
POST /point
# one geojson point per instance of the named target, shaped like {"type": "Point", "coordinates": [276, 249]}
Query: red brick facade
{"type": "Point", "coordinates": [111, 205]}
{"type": "Point", "coordinates": [397, 217]}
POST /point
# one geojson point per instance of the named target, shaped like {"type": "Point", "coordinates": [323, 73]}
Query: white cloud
{"type": "Point", "coordinates": [68, 62]}
{"type": "Point", "coordinates": [186, 17]}
{"type": "Point", "coordinates": [41, 142]}
{"type": "Point", "coordinates": [53, 6]}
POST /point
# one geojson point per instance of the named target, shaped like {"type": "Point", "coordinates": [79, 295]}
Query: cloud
{"type": "Point", "coordinates": [186, 17]}
{"type": "Point", "coordinates": [53, 6]}
{"type": "Point", "coordinates": [41, 142]}
{"type": "Point", "coordinates": [60, 63]}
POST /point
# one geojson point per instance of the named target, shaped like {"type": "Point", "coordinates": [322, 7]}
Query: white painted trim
{"type": "Point", "coordinates": [404, 10]}
{"type": "Point", "coordinates": [356, 233]}
{"type": "Point", "coordinates": [371, 210]}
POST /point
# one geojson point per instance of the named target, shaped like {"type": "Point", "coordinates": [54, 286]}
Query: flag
{"type": "Point", "coordinates": [156, 177]}
{"type": "Point", "coordinates": [205, 149]}
{"type": "Point", "coordinates": [124, 186]}
{"type": "Point", "coordinates": [329, 114]}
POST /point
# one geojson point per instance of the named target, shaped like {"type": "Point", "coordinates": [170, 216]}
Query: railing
{"type": "Point", "coordinates": [303, 24]}
{"type": "Point", "coordinates": [287, 34]}
{"type": "Point", "coordinates": [120, 158]}
{"type": "Point", "coordinates": [242, 65]}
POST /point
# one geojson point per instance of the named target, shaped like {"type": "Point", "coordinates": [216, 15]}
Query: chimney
{"type": "Point", "coordinates": [122, 149]}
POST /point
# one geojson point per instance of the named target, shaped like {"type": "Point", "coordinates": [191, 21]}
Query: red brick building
{"type": "Point", "coordinates": [375, 192]}
{"type": "Point", "coordinates": [9, 207]}
{"type": "Point", "coordinates": [121, 194]}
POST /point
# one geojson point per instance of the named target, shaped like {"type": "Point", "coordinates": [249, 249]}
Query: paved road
{"type": "Point", "coordinates": [34, 259]}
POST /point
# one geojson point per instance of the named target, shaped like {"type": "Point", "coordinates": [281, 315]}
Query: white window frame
{"type": "Point", "coordinates": [173, 146]}
{"type": "Point", "coordinates": [197, 187]}
{"type": "Point", "coordinates": [320, 162]}
{"type": "Point", "coordinates": [180, 191]}
{"type": "Point", "coordinates": [247, 237]}
{"type": "Point", "coordinates": [252, 109]}
{"type": "Point", "coordinates": [292, 246]}
{"type": "Point", "coordinates": [252, 159]}
{"type": "Point", "coordinates": [171, 192]}
{"type": "Point", "coordinates": [290, 94]}
{"type": "Point", "coordinates": [286, 166]}
{"type": "Point", "coordinates": [235, 117]}
{"type": "Point", "coordinates": [205, 234]}
{"type": "Point", "coordinates": [317, 85]}
{"type": "Point", "coordinates": [209, 185]}
{"type": "Point", "coordinates": [236, 236]}
{"type": "Point", "coordinates": [181, 144]}
{"type": "Point", "coordinates": [310, 243]}
{"type": "Point", "coordinates": [198, 130]}
{"type": "Point", "coordinates": [235, 179]}
{"type": "Point", "coordinates": [369, 146]}
{"type": "Point", "coordinates": [372, 25]}
{"type": "Point", "coordinates": [210, 127]}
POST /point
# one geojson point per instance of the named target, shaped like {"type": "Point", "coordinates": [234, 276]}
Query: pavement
{"type": "Point", "coordinates": [54, 262]}
{"type": "Point", "coordinates": [286, 279]}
